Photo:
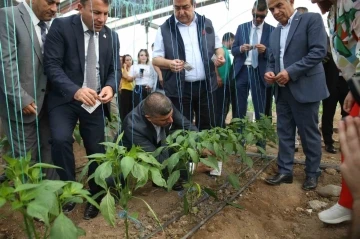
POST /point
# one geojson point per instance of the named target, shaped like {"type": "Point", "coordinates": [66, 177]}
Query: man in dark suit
{"type": "Point", "coordinates": [23, 83]}
{"type": "Point", "coordinates": [81, 64]}
{"type": "Point", "coordinates": [297, 47]}
{"type": "Point", "coordinates": [250, 57]}
{"type": "Point", "coordinates": [148, 124]}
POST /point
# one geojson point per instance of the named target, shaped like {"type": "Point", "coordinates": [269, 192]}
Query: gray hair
{"type": "Point", "coordinates": [157, 104]}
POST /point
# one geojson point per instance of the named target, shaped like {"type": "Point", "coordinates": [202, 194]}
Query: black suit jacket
{"type": "Point", "coordinates": [141, 132]}
{"type": "Point", "coordinates": [64, 59]}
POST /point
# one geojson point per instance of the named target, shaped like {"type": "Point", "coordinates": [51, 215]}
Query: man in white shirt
{"type": "Point", "coordinates": [23, 87]}
{"type": "Point", "coordinates": [250, 58]}
{"type": "Point", "coordinates": [187, 49]}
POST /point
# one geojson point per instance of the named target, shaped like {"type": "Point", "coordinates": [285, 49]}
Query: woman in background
{"type": "Point", "coordinates": [144, 76]}
{"type": "Point", "coordinates": [126, 87]}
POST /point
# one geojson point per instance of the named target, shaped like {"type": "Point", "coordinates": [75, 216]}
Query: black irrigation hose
{"type": "Point", "coordinates": [206, 197]}
{"type": "Point", "coordinates": [194, 229]}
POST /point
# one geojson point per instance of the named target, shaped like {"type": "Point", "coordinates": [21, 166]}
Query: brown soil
{"type": "Point", "coordinates": [269, 212]}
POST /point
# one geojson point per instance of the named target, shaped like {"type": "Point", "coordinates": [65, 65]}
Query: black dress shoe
{"type": "Point", "coordinates": [279, 179]}
{"type": "Point", "coordinates": [330, 148]}
{"type": "Point", "coordinates": [90, 211]}
{"type": "Point", "coordinates": [3, 178]}
{"type": "Point", "coordinates": [68, 207]}
{"type": "Point", "coordinates": [310, 183]}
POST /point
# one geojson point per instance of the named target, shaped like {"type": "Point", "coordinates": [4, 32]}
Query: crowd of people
{"type": "Point", "coordinates": [55, 77]}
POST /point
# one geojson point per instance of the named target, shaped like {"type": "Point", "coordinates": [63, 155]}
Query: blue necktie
{"type": "Point", "coordinates": [43, 28]}
{"type": "Point", "coordinates": [254, 52]}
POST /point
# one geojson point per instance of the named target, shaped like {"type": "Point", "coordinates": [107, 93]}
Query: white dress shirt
{"type": "Point", "coordinates": [158, 130]}
{"type": "Point", "coordinates": [192, 49]}
{"type": "Point", "coordinates": [96, 41]}
{"type": "Point", "coordinates": [147, 78]}
{"type": "Point", "coordinates": [283, 37]}
{"type": "Point", "coordinates": [35, 22]}
{"type": "Point", "coordinates": [259, 32]}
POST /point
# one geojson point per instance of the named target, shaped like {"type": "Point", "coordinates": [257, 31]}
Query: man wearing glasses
{"type": "Point", "coordinates": [250, 57]}
{"type": "Point", "coordinates": [187, 49]}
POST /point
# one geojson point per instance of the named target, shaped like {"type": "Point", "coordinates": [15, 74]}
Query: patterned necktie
{"type": "Point", "coordinates": [254, 52]}
{"type": "Point", "coordinates": [43, 28]}
{"type": "Point", "coordinates": [91, 78]}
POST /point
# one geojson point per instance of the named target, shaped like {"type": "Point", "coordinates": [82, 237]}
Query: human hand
{"type": "Point", "coordinates": [349, 136]}
{"type": "Point", "coordinates": [86, 95]}
{"type": "Point", "coordinates": [176, 65]}
{"type": "Point", "coordinates": [348, 102]}
{"type": "Point", "coordinates": [106, 94]}
{"type": "Point", "coordinates": [282, 77]}
{"type": "Point", "coordinates": [245, 47]}
{"type": "Point", "coordinates": [260, 47]}
{"type": "Point", "coordinates": [30, 109]}
{"type": "Point", "coordinates": [269, 77]}
{"type": "Point", "coordinates": [207, 152]}
{"type": "Point", "coordinates": [220, 60]}
{"type": "Point", "coordinates": [202, 168]}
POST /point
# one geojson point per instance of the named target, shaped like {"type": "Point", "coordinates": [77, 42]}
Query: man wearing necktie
{"type": "Point", "coordinates": [250, 56]}
{"type": "Point", "coordinates": [297, 48]}
{"type": "Point", "coordinates": [81, 62]}
{"type": "Point", "coordinates": [23, 84]}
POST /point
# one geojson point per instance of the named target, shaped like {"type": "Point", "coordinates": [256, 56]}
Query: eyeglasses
{"type": "Point", "coordinates": [185, 8]}
{"type": "Point", "coordinates": [258, 16]}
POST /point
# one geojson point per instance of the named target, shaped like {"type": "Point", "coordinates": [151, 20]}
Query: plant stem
{"type": "Point", "coordinates": [126, 226]}
{"type": "Point", "coordinates": [27, 226]}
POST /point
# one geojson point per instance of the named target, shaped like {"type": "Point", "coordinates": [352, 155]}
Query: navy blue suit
{"type": "Point", "coordinates": [65, 66]}
{"type": "Point", "coordinates": [246, 76]}
{"type": "Point", "coordinates": [297, 104]}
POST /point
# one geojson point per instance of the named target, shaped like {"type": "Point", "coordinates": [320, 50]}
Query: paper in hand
{"type": "Point", "coordinates": [187, 66]}
{"type": "Point", "coordinates": [89, 108]}
{"type": "Point", "coordinates": [214, 58]}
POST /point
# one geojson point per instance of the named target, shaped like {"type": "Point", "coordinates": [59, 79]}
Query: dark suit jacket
{"type": "Point", "coordinates": [21, 64]}
{"type": "Point", "coordinates": [65, 59]}
{"type": "Point", "coordinates": [305, 49]}
{"type": "Point", "coordinates": [243, 37]}
{"type": "Point", "coordinates": [141, 132]}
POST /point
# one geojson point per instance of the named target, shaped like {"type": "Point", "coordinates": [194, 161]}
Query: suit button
{"type": "Point", "coordinates": [42, 90]}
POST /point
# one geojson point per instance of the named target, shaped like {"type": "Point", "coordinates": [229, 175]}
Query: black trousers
{"type": "Point", "coordinates": [223, 103]}
{"type": "Point", "coordinates": [63, 120]}
{"type": "Point", "coordinates": [126, 103]}
{"type": "Point", "coordinates": [139, 94]}
{"type": "Point", "coordinates": [338, 90]}
{"type": "Point", "coordinates": [196, 101]}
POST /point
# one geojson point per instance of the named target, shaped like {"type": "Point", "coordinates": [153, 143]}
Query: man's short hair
{"type": "Point", "coordinates": [260, 5]}
{"type": "Point", "coordinates": [157, 104]}
{"type": "Point", "coordinates": [107, 2]}
{"type": "Point", "coordinates": [228, 36]}
{"type": "Point", "coordinates": [302, 9]}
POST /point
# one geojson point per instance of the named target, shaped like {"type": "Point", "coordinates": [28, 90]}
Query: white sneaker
{"type": "Point", "coordinates": [336, 214]}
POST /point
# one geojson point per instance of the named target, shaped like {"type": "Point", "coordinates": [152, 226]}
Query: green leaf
{"type": "Point", "coordinates": [148, 158]}
{"type": "Point", "coordinates": [248, 161]}
{"type": "Point", "coordinates": [103, 172]}
{"type": "Point", "coordinates": [235, 205]}
{"type": "Point", "coordinates": [26, 186]}
{"type": "Point", "coordinates": [77, 135]}
{"type": "Point", "coordinates": [180, 139]}
{"type": "Point", "coordinates": [217, 149]}
{"type": "Point", "coordinates": [234, 181]}
{"type": "Point", "coordinates": [135, 215]}
{"type": "Point", "coordinates": [2, 201]}
{"type": "Point", "coordinates": [249, 138]}
{"type": "Point", "coordinates": [127, 164]}
{"type": "Point", "coordinates": [96, 156]}
{"type": "Point", "coordinates": [139, 171]}
{"type": "Point", "coordinates": [193, 155]}
{"type": "Point", "coordinates": [85, 170]}
{"type": "Point", "coordinates": [49, 201]}
{"type": "Point", "coordinates": [75, 188]}
{"type": "Point", "coordinates": [157, 177]}
{"type": "Point", "coordinates": [211, 161]}
{"type": "Point", "coordinates": [229, 147]}
{"type": "Point", "coordinates": [63, 227]}
{"type": "Point", "coordinates": [261, 149]}
{"type": "Point", "coordinates": [44, 165]}
{"type": "Point", "coordinates": [52, 185]}
{"type": "Point", "coordinates": [174, 177]}
{"type": "Point", "coordinates": [158, 151]}
{"type": "Point", "coordinates": [173, 161]}
{"type": "Point", "coordinates": [107, 208]}
{"type": "Point", "coordinates": [211, 193]}
{"type": "Point", "coordinates": [38, 210]}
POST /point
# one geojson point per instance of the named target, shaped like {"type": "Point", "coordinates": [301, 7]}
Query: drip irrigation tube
{"type": "Point", "coordinates": [206, 197]}
{"type": "Point", "coordinates": [222, 205]}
